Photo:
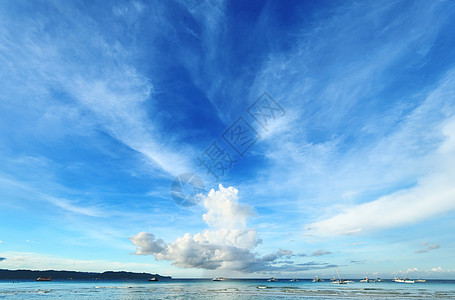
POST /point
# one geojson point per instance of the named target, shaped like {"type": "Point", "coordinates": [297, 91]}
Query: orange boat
{"type": "Point", "coordinates": [43, 279]}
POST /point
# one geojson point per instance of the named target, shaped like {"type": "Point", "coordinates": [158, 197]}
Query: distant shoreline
{"type": "Point", "coordinates": [77, 275]}
{"type": "Point", "coordinates": [23, 274]}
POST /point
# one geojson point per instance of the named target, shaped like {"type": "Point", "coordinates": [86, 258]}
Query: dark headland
{"type": "Point", "coordinates": [75, 275]}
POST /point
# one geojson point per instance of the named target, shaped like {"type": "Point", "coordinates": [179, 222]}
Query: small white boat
{"type": "Point", "coordinates": [293, 279]}
{"type": "Point", "coordinates": [272, 279]}
{"type": "Point", "coordinates": [367, 280]}
{"type": "Point", "coordinates": [153, 279]}
{"type": "Point", "coordinates": [339, 281]}
{"type": "Point", "coordinates": [317, 279]}
{"type": "Point", "coordinates": [218, 278]}
{"type": "Point", "coordinates": [407, 280]}
{"type": "Point", "coordinates": [420, 280]}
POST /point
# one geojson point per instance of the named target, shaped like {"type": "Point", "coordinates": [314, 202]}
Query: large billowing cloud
{"type": "Point", "coordinates": [227, 244]}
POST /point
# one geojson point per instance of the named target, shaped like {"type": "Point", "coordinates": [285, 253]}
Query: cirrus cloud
{"type": "Point", "coordinates": [431, 196]}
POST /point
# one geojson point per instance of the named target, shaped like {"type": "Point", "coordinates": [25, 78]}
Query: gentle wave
{"type": "Point", "coordinates": [113, 287]}
{"type": "Point", "coordinates": [36, 291]}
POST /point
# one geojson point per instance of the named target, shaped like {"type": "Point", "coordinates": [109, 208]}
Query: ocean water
{"type": "Point", "coordinates": [228, 289]}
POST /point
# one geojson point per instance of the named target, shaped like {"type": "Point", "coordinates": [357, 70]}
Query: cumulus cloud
{"type": "Point", "coordinates": [226, 244]}
{"type": "Point", "coordinates": [428, 247]}
{"type": "Point", "coordinates": [224, 210]}
{"type": "Point", "coordinates": [320, 252]}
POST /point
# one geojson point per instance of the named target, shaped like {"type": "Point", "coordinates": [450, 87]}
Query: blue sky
{"type": "Point", "coordinates": [103, 105]}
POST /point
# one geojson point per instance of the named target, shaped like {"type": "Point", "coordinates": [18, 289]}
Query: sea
{"type": "Point", "coordinates": [228, 289]}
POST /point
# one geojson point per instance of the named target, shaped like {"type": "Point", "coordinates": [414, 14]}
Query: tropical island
{"type": "Point", "coordinates": [76, 275]}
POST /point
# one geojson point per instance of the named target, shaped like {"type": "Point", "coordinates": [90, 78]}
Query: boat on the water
{"type": "Point", "coordinates": [367, 280]}
{"type": "Point", "coordinates": [317, 279]}
{"type": "Point", "coordinates": [153, 279]}
{"type": "Point", "coordinates": [420, 280]}
{"type": "Point", "coordinates": [294, 279]}
{"type": "Point", "coordinates": [339, 280]}
{"type": "Point", "coordinates": [218, 278]}
{"type": "Point", "coordinates": [343, 281]}
{"type": "Point", "coordinates": [44, 279]}
{"type": "Point", "coordinates": [403, 280]}
{"type": "Point", "coordinates": [272, 279]}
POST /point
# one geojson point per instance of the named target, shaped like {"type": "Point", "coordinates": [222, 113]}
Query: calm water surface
{"type": "Point", "coordinates": [229, 289]}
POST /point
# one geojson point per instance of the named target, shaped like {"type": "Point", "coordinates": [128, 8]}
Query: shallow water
{"type": "Point", "coordinates": [229, 289]}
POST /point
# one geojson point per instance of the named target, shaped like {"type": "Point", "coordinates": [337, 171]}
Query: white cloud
{"type": "Point", "coordinates": [435, 272]}
{"type": "Point", "coordinates": [132, 9]}
{"type": "Point", "coordinates": [224, 210]}
{"type": "Point", "coordinates": [412, 270]}
{"type": "Point", "coordinates": [227, 244]}
{"type": "Point", "coordinates": [433, 195]}
{"type": "Point", "coordinates": [321, 148]}
{"type": "Point", "coordinates": [72, 206]}
{"type": "Point", "coordinates": [320, 252]}
{"type": "Point", "coordinates": [428, 247]}
{"type": "Point", "coordinates": [117, 101]}
{"type": "Point", "coordinates": [356, 244]}
{"type": "Point", "coordinates": [104, 91]}
{"type": "Point", "coordinates": [400, 208]}
{"type": "Point", "coordinates": [285, 252]}
{"type": "Point", "coordinates": [39, 261]}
